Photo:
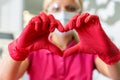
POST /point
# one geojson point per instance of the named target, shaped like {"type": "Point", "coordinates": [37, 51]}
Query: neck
{"type": "Point", "coordinates": [61, 41]}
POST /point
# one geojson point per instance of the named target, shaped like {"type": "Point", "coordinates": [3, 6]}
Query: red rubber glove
{"type": "Point", "coordinates": [35, 37]}
{"type": "Point", "coordinates": [93, 39]}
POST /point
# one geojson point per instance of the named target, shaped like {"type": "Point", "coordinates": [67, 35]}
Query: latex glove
{"type": "Point", "coordinates": [35, 37]}
{"type": "Point", "coordinates": [93, 39]}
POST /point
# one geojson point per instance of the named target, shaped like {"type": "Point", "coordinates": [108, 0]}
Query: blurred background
{"type": "Point", "coordinates": [15, 14]}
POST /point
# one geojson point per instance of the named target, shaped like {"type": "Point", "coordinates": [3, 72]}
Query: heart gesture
{"type": "Point", "coordinates": [93, 39]}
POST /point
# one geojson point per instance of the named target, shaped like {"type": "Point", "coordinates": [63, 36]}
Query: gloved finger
{"type": "Point", "coordinates": [38, 24]}
{"type": "Point", "coordinates": [55, 50]}
{"type": "Point", "coordinates": [33, 24]}
{"type": "Point", "coordinates": [81, 19]}
{"type": "Point", "coordinates": [45, 21]}
{"type": "Point", "coordinates": [72, 23]}
{"type": "Point", "coordinates": [53, 23]}
{"type": "Point", "coordinates": [60, 26]}
{"type": "Point", "coordinates": [78, 48]}
{"type": "Point", "coordinates": [46, 44]}
{"type": "Point", "coordinates": [73, 50]}
{"type": "Point", "coordinates": [91, 18]}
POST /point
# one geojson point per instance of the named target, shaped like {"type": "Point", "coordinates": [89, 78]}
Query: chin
{"type": "Point", "coordinates": [63, 34]}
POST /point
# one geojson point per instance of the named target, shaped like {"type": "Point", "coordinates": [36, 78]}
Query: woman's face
{"type": "Point", "coordinates": [63, 5]}
{"type": "Point", "coordinates": [63, 10]}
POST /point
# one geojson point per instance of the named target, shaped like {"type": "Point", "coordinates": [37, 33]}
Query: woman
{"type": "Point", "coordinates": [41, 58]}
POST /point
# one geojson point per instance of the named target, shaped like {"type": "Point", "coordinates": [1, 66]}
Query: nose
{"type": "Point", "coordinates": [63, 9]}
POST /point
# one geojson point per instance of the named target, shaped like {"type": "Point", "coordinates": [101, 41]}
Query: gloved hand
{"type": "Point", "coordinates": [35, 37]}
{"type": "Point", "coordinates": [93, 39]}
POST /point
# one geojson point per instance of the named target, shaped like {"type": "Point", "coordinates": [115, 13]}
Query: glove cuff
{"type": "Point", "coordinates": [110, 58]}
{"type": "Point", "coordinates": [15, 53]}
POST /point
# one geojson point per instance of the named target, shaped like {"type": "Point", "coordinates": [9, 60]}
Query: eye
{"type": "Point", "coordinates": [54, 8]}
{"type": "Point", "coordinates": [71, 8]}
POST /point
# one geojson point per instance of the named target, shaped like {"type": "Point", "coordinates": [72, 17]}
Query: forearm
{"type": "Point", "coordinates": [9, 68]}
{"type": "Point", "coordinates": [111, 71]}
{"type": "Point", "coordinates": [114, 71]}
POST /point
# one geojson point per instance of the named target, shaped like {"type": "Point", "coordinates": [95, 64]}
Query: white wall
{"type": "Point", "coordinates": [11, 15]}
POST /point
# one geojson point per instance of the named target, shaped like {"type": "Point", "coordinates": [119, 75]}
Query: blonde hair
{"type": "Point", "coordinates": [48, 2]}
